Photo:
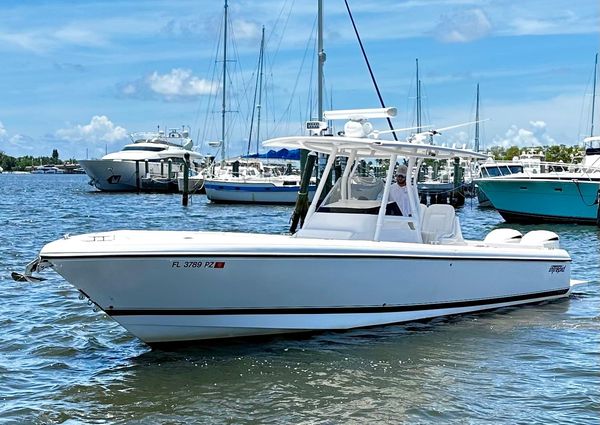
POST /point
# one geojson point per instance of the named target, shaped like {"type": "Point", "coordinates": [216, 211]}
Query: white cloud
{"type": "Point", "coordinates": [129, 89]}
{"type": "Point", "coordinates": [246, 30]}
{"type": "Point", "coordinates": [20, 139]}
{"type": "Point", "coordinates": [459, 139]}
{"type": "Point", "coordinates": [44, 40]}
{"type": "Point", "coordinates": [79, 36]}
{"type": "Point", "coordinates": [100, 129]}
{"type": "Point", "coordinates": [2, 131]}
{"type": "Point", "coordinates": [463, 26]}
{"type": "Point", "coordinates": [534, 136]}
{"type": "Point", "coordinates": [19, 144]}
{"type": "Point", "coordinates": [26, 40]}
{"type": "Point", "coordinates": [179, 82]}
{"type": "Point", "coordinates": [182, 27]}
{"type": "Point", "coordinates": [551, 22]}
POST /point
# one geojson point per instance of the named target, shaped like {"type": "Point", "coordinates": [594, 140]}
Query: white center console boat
{"type": "Point", "coordinates": [351, 265]}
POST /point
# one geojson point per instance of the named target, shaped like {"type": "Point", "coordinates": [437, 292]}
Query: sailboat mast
{"type": "Point", "coordinates": [223, 103]}
{"type": "Point", "coordinates": [477, 121]}
{"type": "Point", "coordinates": [594, 95]}
{"type": "Point", "coordinates": [322, 56]}
{"type": "Point", "coordinates": [260, 71]}
{"type": "Point", "coordinates": [418, 99]}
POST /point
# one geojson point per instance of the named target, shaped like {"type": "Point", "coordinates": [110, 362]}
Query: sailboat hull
{"type": "Point", "coordinates": [229, 285]}
{"type": "Point", "coordinates": [253, 192]}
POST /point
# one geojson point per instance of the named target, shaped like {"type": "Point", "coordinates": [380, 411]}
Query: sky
{"type": "Point", "coordinates": [80, 75]}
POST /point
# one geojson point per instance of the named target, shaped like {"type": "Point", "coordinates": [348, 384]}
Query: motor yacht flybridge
{"type": "Point", "coordinates": [351, 265]}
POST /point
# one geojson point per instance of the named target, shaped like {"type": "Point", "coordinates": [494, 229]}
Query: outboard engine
{"type": "Point", "coordinates": [503, 236]}
{"type": "Point", "coordinates": [543, 238]}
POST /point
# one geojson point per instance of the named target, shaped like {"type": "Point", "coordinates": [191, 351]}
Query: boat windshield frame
{"type": "Point", "coordinates": [356, 149]}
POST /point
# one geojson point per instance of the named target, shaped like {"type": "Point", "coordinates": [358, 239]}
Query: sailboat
{"type": "Point", "coordinates": [440, 183]}
{"type": "Point", "coordinates": [558, 196]}
{"type": "Point", "coordinates": [253, 182]}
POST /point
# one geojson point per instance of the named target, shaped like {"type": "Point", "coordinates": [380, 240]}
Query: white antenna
{"type": "Point", "coordinates": [377, 133]}
{"type": "Point", "coordinates": [439, 130]}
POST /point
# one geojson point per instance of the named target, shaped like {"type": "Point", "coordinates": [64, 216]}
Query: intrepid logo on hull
{"type": "Point", "coordinates": [557, 269]}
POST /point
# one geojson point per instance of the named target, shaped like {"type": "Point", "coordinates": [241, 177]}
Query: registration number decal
{"type": "Point", "coordinates": [197, 264]}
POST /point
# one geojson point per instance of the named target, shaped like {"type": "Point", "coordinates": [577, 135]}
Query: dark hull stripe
{"type": "Point", "coordinates": [300, 256]}
{"type": "Point", "coordinates": [336, 310]}
{"type": "Point", "coordinates": [518, 217]}
{"type": "Point", "coordinates": [262, 189]}
{"type": "Point", "coordinates": [231, 201]}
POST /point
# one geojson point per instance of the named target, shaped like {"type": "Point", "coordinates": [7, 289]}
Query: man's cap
{"type": "Point", "coordinates": [401, 170]}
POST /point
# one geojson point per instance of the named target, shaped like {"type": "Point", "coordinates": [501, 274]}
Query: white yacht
{"type": "Point", "coordinates": [151, 163]}
{"type": "Point", "coordinates": [351, 265]}
{"type": "Point", "coordinates": [47, 169]}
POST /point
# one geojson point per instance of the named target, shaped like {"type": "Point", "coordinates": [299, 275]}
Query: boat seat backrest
{"type": "Point", "coordinates": [439, 223]}
{"type": "Point", "coordinates": [422, 210]}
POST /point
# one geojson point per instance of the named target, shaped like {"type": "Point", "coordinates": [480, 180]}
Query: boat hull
{"type": "Point", "coordinates": [482, 198]}
{"type": "Point", "coordinates": [127, 176]}
{"type": "Point", "coordinates": [543, 200]}
{"type": "Point", "coordinates": [195, 184]}
{"type": "Point", "coordinates": [253, 193]}
{"type": "Point", "coordinates": [306, 285]}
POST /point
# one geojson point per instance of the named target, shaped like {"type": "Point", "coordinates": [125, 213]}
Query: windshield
{"type": "Point", "coordinates": [500, 170]}
{"type": "Point", "coordinates": [144, 148]}
{"type": "Point", "coordinates": [363, 196]}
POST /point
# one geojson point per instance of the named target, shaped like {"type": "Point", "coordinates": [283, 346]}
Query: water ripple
{"type": "Point", "coordinates": [63, 363]}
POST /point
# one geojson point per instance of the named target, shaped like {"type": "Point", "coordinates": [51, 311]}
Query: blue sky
{"type": "Point", "coordinates": [79, 76]}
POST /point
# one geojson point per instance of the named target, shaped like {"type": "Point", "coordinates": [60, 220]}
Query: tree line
{"type": "Point", "coordinates": [24, 163]}
{"type": "Point", "coordinates": [554, 153]}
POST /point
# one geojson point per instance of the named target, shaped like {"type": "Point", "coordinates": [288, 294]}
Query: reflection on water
{"type": "Point", "coordinates": [62, 362]}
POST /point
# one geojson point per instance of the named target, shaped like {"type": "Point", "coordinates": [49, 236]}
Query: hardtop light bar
{"type": "Point", "coordinates": [369, 148]}
{"type": "Point", "coordinates": [356, 114]}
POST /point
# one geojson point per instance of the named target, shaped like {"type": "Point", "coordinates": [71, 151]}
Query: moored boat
{"type": "Point", "coordinates": [568, 195]}
{"type": "Point", "coordinates": [151, 163]}
{"type": "Point", "coordinates": [555, 192]}
{"type": "Point", "coordinates": [255, 183]}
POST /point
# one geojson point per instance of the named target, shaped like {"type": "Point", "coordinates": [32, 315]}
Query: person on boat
{"type": "Point", "coordinates": [399, 194]}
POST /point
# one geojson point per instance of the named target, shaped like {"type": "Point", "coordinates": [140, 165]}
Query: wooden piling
{"type": "Point", "coordinates": [186, 170]}
{"type": "Point", "coordinates": [137, 175]}
{"type": "Point", "coordinates": [301, 207]}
